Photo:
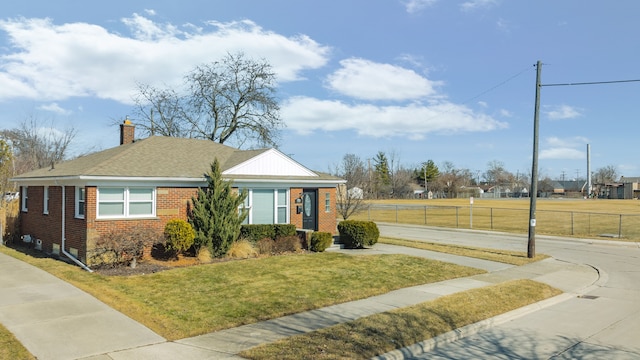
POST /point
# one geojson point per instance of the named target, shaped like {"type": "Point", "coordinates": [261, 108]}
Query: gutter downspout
{"type": "Point", "coordinates": [64, 203]}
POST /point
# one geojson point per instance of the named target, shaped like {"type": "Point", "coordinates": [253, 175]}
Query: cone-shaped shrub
{"type": "Point", "coordinates": [215, 216]}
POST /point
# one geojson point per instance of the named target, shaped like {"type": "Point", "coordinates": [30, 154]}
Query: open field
{"type": "Point", "coordinates": [593, 218]}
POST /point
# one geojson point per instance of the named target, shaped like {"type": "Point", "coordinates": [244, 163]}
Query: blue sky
{"type": "Point", "coordinates": [418, 79]}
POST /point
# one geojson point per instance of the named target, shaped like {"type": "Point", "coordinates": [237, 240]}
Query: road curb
{"type": "Point", "coordinates": [465, 331]}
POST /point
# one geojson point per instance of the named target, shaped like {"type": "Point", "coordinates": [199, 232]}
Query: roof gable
{"type": "Point", "coordinates": [270, 162]}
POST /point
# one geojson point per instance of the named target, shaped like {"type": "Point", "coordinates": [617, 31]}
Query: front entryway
{"type": "Point", "coordinates": [310, 209]}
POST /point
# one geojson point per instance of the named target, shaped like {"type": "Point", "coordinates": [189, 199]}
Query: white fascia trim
{"type": "Point", "coordinates": [83, 180]}
{"type": "Point", "coordinates": [286, 183]}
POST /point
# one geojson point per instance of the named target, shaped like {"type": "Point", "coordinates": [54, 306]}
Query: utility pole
{"type": "Point", "coordinates": [533, 194]}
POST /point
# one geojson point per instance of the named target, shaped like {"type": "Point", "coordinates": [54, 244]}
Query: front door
{"type": "Point", "coordinates": [309, 209]}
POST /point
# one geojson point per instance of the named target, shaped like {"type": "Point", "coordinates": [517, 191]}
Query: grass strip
{"type": "Point", "coordinates": [503, 256]}
{"type": "Point", "coordinates": [11, 348]}
{"type": "Point", "coordinates": [377, 334]}
{"type": "Point", "coordinates": [194, 300]}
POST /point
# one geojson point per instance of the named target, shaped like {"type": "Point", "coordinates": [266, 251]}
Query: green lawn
{"type": "Point", "coordinates": [189, 301]}
{"type": "Point", "coordinates": [381, 333]}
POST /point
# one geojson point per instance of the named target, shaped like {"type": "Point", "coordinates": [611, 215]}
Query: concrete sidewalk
{"type": "Point", "coordinates": [56, 321]}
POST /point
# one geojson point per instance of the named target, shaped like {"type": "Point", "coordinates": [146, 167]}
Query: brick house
{"type": "Point", "coordinates": [65, 208]}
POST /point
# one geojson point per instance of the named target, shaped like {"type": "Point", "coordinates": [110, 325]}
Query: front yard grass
{"type": "Point", "coordinates": [503, 256]}
{"type": "Point", "coordinates": [194, 300]}
{"type": "Point", "coordinates": [380, 333]}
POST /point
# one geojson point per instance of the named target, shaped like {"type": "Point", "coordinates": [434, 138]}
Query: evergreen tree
{"type": "Point", "coordinates": [430, 169]}
{"type": "Point", "coordinates": [215, 216]}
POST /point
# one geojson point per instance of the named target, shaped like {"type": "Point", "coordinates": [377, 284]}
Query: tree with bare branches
{"type": "Point", "coordinates": [351, 196]}
{"type": "Point", "coordinates": [35, 146]}
{"type": "Point", "coordinates": [230, 101]}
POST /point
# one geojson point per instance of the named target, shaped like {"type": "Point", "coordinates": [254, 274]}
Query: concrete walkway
{"type": "Point", "coordinates": [54, 320]}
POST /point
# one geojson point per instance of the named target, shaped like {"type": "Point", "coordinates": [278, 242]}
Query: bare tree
{"type": "Point", "coordinates": [36, 146]}
{"type": "Point", "coordinates": [605, 174]}
{"type": "Point", "coordinates": [227, 101]}
{"type": "Point", "coordinates": [351, 195]}
{"type": "Point", "coordinates": [6, 168]}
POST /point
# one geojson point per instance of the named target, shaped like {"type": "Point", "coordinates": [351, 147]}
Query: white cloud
{"type": "Point", "coordinates": [52, 62]}
{"type": "Point", "coordinates": [364, 79]}
{"type": "Point", "coordinates": [55, 108]}
{"type": "Point", "coordinates": [561, 153]}
{"type": "Point", "coordinates": [473, 5]}
{"type": "Point", "coordinates": [505, 113]}
{"type": "Point", "coordinates": [414, 6]}
{"type": "Point", "coordinates": [564, 148]}
{"type": "Point", "coordinates": [563, 112]}
{"type": "Point", "coordinates": [305, 115]}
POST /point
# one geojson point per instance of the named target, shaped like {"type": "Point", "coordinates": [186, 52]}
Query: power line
{"type": "Point", "coordinates": [498, 85]}
{"type": "Point", "coordinates": [593, 83]}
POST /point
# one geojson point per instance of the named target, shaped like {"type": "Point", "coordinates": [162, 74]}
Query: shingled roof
{"type": "Point", "coordinates": [153, 157]}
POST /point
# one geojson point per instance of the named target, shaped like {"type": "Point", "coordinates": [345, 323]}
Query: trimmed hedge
{"type": "Point", "coordinates": [284, 230]}
{"type": "Point", "coordinates": [320, 241]}
{"type": "Point", "coordinates": [255, 232]}
{"type": "Point", "coordinates": [355, 234]}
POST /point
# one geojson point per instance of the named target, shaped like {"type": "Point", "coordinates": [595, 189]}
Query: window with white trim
{"type": "Point", "coordinates": [80, 202]}
{"type": "Point", "coordinates": [267, 206]}
{"type": "Point", "coordinates": [282, 206]}
{"type": "Point", "coordinates": [23, 197]}
{"type": "Point", "coordinates": [327, 202]}
{"type": "Point", "coordinates": [128, 202]}
{"type": "Point", "coordinates": [45, 200]}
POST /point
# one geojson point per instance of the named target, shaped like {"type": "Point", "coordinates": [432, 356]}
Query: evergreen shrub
{"type": "Point", "coordinates": [282, 230]}
{"type": "Point", "coordinates": [179, 235]}
{"type": "Point", "coordinates": [256, 232]}
{"type": "Point", "coordinates": [355, 234]}
{"type": "Point", "coordinates": [320, 241]}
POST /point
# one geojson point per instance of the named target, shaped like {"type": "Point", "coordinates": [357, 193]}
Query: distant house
{"type": "Point", "coordinates": [148, 182]}
{"type": "Point", "coordinates": [631, 187]}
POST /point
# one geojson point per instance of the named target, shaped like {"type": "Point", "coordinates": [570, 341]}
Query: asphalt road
{"type": "Point", "coordinates": [602, 324]}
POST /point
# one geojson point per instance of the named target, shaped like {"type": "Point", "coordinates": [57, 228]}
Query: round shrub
{"type": "Point", "coordinates": [320, 241]}
{"type": "Point", "coordinates": [179, 235]}
{"type": "Point", "coordinates": [356, 234]}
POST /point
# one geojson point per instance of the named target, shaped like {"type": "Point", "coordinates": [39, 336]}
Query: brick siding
{"type": "Point", "coordinates": [171, 203]}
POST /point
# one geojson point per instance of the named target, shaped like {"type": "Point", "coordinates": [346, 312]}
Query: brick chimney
{"type": "Point", "coordinates": [127, 132]}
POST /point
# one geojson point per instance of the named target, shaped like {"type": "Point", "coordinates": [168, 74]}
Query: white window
{"type": "Point", "coordinates": [45, 200]}
{"type": "Point", "coordinates": [282, 206]}
{"type": "Point", "coordinates": [23, 198]}
{"type": "Point", "coordinates": [267, 206]}
{"type": "Point", "coordinates": [246, 206]}
{"type": "Point", "coordinates": [118, 202]}
{"type": "Point", "coordinates": [327, 202]}
{"type": "Point", "coordinates": [80, 201]}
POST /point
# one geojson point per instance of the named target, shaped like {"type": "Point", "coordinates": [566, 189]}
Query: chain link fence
{"type": "Point", "coordinates": [550, 222]}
